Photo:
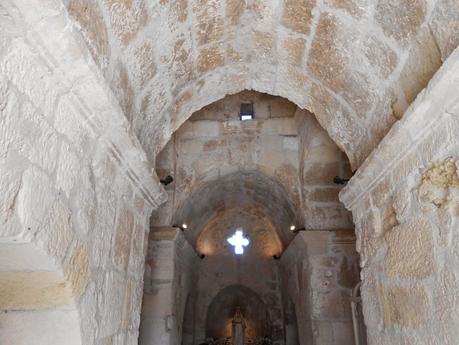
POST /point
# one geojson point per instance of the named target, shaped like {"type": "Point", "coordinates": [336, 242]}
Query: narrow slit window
{"type": "Point", "coordinates": [247, 111]}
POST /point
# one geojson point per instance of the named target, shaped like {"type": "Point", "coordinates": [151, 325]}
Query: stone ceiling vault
{"type": "Point", "coordinates": [250, 192]}
{"type": "Point", "coordinates": [356, 64]}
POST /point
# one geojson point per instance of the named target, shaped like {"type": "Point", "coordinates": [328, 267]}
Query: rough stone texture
{"type": "Point", "coordinates": [404, 202]}
{"type": "Point", "coordinates": [362, 65]}
{"type": "Point", "coordinates": [168, 282]}
{"type": "Point", "coordinates": [71, 165]}
{"type": "Point", "coordinates": [261, 175]}
{"type": "Point", "coordinates": [282, 149]}
{"type": "Point", "coordinates": [72, 71]}
{"type": "Point", "coordinates": [445, 26]}
{"type": "Point", "coordinates": [318, 271]}
{"type": "Point", "coordinates": [400, 20]}
{"type": "Point", "coordinates": [416, 261]}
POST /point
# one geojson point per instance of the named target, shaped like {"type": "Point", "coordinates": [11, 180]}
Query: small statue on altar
{"type": "Point", "coordinates": [238, 328]}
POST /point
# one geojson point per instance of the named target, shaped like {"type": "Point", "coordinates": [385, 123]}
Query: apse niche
{"type": "Point", "coordinates": [225, 250]}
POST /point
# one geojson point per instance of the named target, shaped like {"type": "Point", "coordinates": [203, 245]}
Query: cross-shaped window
{"type": "Point", "coordinates": [238, 241]}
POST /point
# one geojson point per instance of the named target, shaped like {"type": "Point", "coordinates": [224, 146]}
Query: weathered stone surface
{"type": "Point", "coordinates": [356, 8]}
{"type": "Point", "coordinates": [382, 57]}
{"type": "Point", "coordinates": [234, 10]}
{"type": "Point", "coordinates": [332, 41]}
{"type": "Point", "coordinates": [400, 20]}
{"type": "Point", "coordinates": [263, 44]}
{"type": "Point", "coordinates": [210, 25]}
{"type": "Point", "coordinates": [89, 16]}
{"type": "Point", "coordinates": [297, 15]}
{"type": "Point", "coordinates": [210, 58]}
{"type": "Point", "coordinates": [442, 174]}
{"type": "Point", "coordinates": [406, 307]}
{"type": "Point", "coordinates": [127, 18]}
{"type": "Point", "coordinates": [145, 68]}
{"type": "Point", "coordinates": [295, 50]}
{"type": "Point", "coordinates": [179, 8]}
{"type": "Point", "coordinates": [121, 85]}
{"type": "Point", "coordinates": [77, 269]}
{"type": "Point", "coordinates": [34, 198]}
{"type": "Point", "coordinates": [123, 237]}
{"type": "Point", "coordinates": [444, 24]}
{"type": "Point", "coordinates": [410, 250]}
{"type": "Point", "coordinates": [423, 62]}
{"type": "Point", "coordinates": [33, 290]}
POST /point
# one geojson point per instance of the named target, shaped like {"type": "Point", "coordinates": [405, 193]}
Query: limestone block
{"type": "Point", "coordinates": [234, 10]}
{"type": "Point", "coordinates": [290, 143]}
{"type": "Point", "coordinates": [127, 18]}
{"type": "Point", "coordinates": [339, 122]}
{"type": "Point", "coordinates": [88, 307]}
{"type": "Point", "coordinates": [332, 45]}
{"type": "Point", "coordinates": [90, 18]}
{"type": "Point", "coordinates": [263, 43]}
{"type": "Point", "coordinates": [67, 121]}
{"type": "Point", "coordinates": [444, 24]}
{"type": "Point", "coordinates": [330, 305]}
{"type": "Point", "coordinates": [210, 25]}
{"type": "Point", "coordinates": [77, 269]}
{"type": "Point", "coordinates": [424, 60]}
{"type": "Point", "coordinates": [111, 290]}
{"type": "Point", "coordinates": [343, 333]}
{"type": "Point", "coordinates": [121, 86]}
{"type": "Point", "coordinates": [10, 182]}
{"type": "Point", "coordinates": [400, 21]}
{"type": "Point", "coordinates": [210, 58]}
{"type": "Point", "coordinates": [183, 63]}
{"type": "Point", "coordinates": [67, 169]}
{"type": "Point", "coordinates": [41, 327]}
{"type": "Point", "coordinates": [101, 246]}
{"type": "Point", "coordinates": [380, 55]}
{"type": "Point", "coordinates": [55, 233]}
{"type": "Point", "coordinates": [34, 198]}
{"type": "Point", "coordinates": [294, 50]}
{"type": "Point", "coordinates": [321, 173]}
{"type": "Point", "coordinates": [322, 194]}
{"type": "Point", "coordinates": [33, 290]}
{"type": "Point", "coordinates": [23, 70]}
{"type": "Point", "coordinates": [144, 68]}
{"type": "Point", "coordinates": [410, 250]}
{"type": "Point", "coordinates": [123, 238]}
{"type": "Point", "coordinates": [206, 128]}
{"type": "Point", "coordinates": [34, 138]}
{"type": "Point", "coordinates": [137, 258]}
{"type": "Point", "coordinates": [297, 15]}
{"type": "Point", "coordinates": [356, 8]}
{"type": "Point", "coordinates": [407, 307]}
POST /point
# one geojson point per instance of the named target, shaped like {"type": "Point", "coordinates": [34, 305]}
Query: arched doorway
{"type": "Point", "coordinates": [222, 308]}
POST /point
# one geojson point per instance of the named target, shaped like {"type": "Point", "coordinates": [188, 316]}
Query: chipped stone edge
{"type": "Point", "coordinates": [434, 106]}
{"type": "Point", "coordinates": [100, 109]}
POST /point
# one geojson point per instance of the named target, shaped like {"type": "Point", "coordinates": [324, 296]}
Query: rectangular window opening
{"type": "Point", "coordinates": [247, 111]}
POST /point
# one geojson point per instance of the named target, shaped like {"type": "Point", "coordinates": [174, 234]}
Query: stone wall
{"type": "Point", "coordinates": [318, 271]}
{"type": "Point", "coordinates": [284, 144]}
{"type": "Point", "coordinates": [169, 280]}
{"type": "Point", "coordinates": [76, 192]}
{"type": "Point", "coordinates": [405, 205]}
{"type": "Point", "coordinates": [356, 64]}
{"type": "Point", "coordinates": [216, 273]}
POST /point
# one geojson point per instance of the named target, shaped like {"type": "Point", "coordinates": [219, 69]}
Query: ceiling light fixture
{"type": "Point", "coordinates": [182, 227]}
{"type": "Point", "coordinates": [295, 230]}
